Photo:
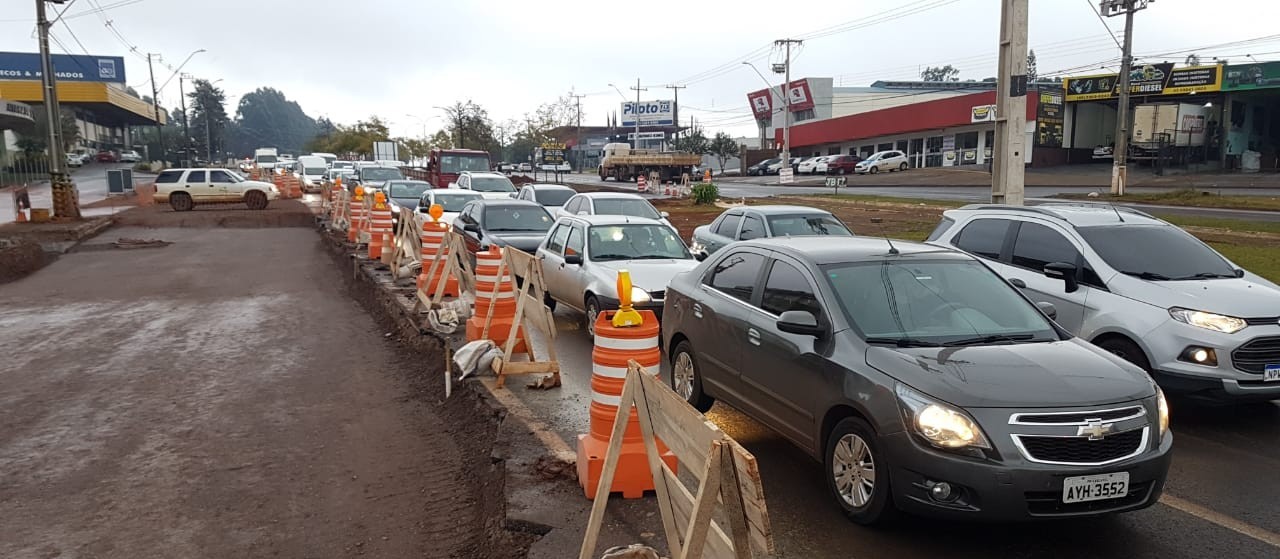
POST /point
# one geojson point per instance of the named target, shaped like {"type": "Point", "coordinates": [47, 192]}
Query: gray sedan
{"type": "Point", "coordinates": [582, 255]}
{"type": "Point", "coordinates": [757, 222]}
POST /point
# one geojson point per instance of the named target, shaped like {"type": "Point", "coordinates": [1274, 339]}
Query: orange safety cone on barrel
{"type": "Point", "coordinates": [356, 213]}
{"type": "Point", "coordinates": [504, 303]}
{"type": "Point", "coordinates": [379, 225]}
{"type": "Point", "coordinates": [432, 236]}
{"type": "Point", "coordinates": [621, 336]}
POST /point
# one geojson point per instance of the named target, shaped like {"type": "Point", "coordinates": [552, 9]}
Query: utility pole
{"type": "Point", "coordinates": [155, 104]}
{"type": "Point", "coordinates": [577, 99]}
{"type": "Point", "coordinates": [638, 89]}
{"type": "Point", "coordinates": [66, 201]}
{"type": "Point", "coordinates": [786, 100]}
{"type": "Point", "coordinates": [1008, 173]}
{"type": "Point", "coordinates": [186, 131]}
{"type": "Point", "coordinates": [1119, 155]}
{"type": "Point", "coordinates": [675, 110]}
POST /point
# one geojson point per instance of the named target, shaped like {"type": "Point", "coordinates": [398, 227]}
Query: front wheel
{"type": "Point", "coordinates": [685, 379]}
{"type": "Point", "coordinates": [593, 312]}
{"type": "Point", "coordinates": [1128, 351]}
{"type": "Point", "coordinates": [840, 171]}
{"type": "Point", "coordinates": [902, 167]}
{"type": "Point", "coordinates": [875, 170]}
{"type": "Point", "coordinates": [857, 473]}
{"type": "Point", "coordinates": [181, 202]}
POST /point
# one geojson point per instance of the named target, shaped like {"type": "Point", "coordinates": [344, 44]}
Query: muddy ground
{"type": "Point", "coordinates": [225, 396]}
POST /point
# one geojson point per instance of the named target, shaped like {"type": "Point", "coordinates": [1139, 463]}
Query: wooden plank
{"type": "Point", "coordinates": [687, 432]}
{"type": "Point", "coordinates": [732, 499]}
{"type": "Point", "coordinates": [695, 537]}
{"type": "Point", "coordinates": [657, 469]}
{"type": "Point", "coordinates": [610, 467]}
{"type": "Point", "coordinates": [753, 500]}
{"type": "Point", "coordinates": [718, 543]}
{"type": "Point", "coordinates": [505, 367]}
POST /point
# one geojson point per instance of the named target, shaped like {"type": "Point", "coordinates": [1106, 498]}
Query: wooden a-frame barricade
{"type": "Point", "coordinates": [406, 243]}
{"type": "Point", "coordinates": [455, 264]}
{"type": "Point", "coordinates": [531, 313]}
{"type": "Point", "coordinates": [725, 472]}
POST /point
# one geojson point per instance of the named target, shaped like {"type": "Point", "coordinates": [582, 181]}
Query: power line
{"type": "Point", "coordinates": [1104, 23]}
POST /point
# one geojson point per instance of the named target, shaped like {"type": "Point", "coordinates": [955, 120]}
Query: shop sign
{"type": "Point", "coordinates": [1147, 79]}
{"type": "Point", "coordinates": [982, 113]}
{"type": "Point", "coordinates": [1239, 77]}
{"type": "Point", "coordinates": [66, 67]}
{"type": "Point", "coordinates": [761, 101]}
{"type": "Point", "coordinates": [969, 157]}
{"type": "Point", "coordinates": [1049, 119]}
{"type": "Point", "coordinates": [650, 113]}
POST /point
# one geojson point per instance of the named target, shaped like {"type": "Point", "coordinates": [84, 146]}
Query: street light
{"type": "Point", "coordinates": [180, 66]}
{"type": "Point", "coordinates": [620, 94]}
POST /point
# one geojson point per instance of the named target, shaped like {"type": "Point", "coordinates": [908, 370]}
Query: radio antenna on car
{"type": "Point", "coordinates": [1117, 210]}
{"type": "Point", "coordinates": [879, 221]}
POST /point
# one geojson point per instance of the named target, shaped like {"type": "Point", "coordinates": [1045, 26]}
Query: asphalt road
{"type": "Point", "coordinates": [1220, 499]}
{"type": "Point", "coordinates": [758, 187]}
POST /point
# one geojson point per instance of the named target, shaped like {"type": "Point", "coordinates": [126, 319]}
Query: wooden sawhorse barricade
{"type": "Point", "coordinates": [725, 472]}
{"type": "Point", "coordinates": [531, 313]}
{"type": "Point", "coordinates": [406, 244]}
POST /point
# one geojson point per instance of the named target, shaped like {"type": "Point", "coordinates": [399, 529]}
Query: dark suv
{"type": "Point", "coordinates": [922, 380]}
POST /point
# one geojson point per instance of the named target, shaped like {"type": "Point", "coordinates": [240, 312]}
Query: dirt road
{"type": "Point", "coordinates": [219, 397]}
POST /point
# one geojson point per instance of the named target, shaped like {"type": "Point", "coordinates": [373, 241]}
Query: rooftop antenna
{"type": "Point", "coordinates": [1117, 210]}
{"type": "Point", "coordinates": [880, 222]}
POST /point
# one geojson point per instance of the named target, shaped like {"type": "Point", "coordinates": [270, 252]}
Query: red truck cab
{"type": "Point", "coordinates": [445, 165]}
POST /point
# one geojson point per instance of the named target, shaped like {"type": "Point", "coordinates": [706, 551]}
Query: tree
{"type": "Point", "coordinates": [946, 73]}
{"type": "Point", "coordinates": [723, 148]}
{"type": "Point", "coordinates": [208, 119]}
{"type": "Point", "coordinates": [38, 140]}
{"type": "Point", "coordinates": [471, 127]}
{"type": "Point", "coordinates": [266, 118]}
{"type": "Point", "coordinates": [1031, 66]}
{"type": "Point", "coordinates": [694, 142]}
{"type": "Point", "coordinates": [1193, 59]}
{"type": "Point", "coordinates": [357, 139]}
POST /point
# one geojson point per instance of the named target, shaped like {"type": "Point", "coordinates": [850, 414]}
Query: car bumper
{"type": "Point", "coordinates": [1220, 382]}
{"type": "Point", "coordinates": [1014, 490]}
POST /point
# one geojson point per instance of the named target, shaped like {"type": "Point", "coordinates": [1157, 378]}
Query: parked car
{"type": "Point", "coordinates": [756, 222]}
{"type": "Point", "coordinates": [613, 203]}
{"type": "Point", "coordinates": [525, 167]}
{"type": "Point", "coordinates": [75, 159]}
{"type": "Point", "coordinates": [841, 164]}
{"type": "Point", "coordinates": [922, 380]}
{"type": "Point", "coordinates": [760, 168]}
{"type": "Point", "coordinates": [582, 255]}
{"type": "Point", "coordinates": [502, 222]}
{"type": "Point", "coordinates": [451, 200]}
{"type": "Point", "coordinates": [405, 193]}
{"type": "Point", "coordinates": [892, 160]}
{"type": "Point", "coordinates": [777, 166]}
{"type": "Point", "coordinates": [504, 167]}
{"type": "Point", "coordinates": [130, 156]}
{"type": "Point", "coordinates": [551, 196]}
{"type": "Point", "coordinates": [1138, 287]}
{"type": "Point", "coordinates": [491, 185]}
{"type": "Point", "coordinates": [184, 189]}
{"type": "Point", "coordinates": [106, 157]}
{"type": "Point", "coordinates": [810, 166]}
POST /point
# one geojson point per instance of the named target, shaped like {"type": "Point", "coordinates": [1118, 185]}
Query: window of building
{"type": "Point", "coordinates": [967, 140]}
{"type": "Point", "coordinates": [833, 151]}
{"type": "Point", "coordinates": [804, 115]}
{"type": "Point", "coordinates": [885, 146]}
{"type": "Point", "coordinates": [901, 146]}
{"type": "Point", "coordinates": [933, 151]}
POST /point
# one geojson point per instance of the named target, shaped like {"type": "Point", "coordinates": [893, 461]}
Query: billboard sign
{"type": "Point", "coordinates": [982, 113]}
{"type": "Point", "coordinates": [66, 67]}
{"type": "Point", "coordinates": [1239, 77]}
{"type": "Point", "coordinates": [1148, 79]}
{"type": "Point", "coordinates": [650, 113]}
{"type": "Point", "coordinates": [1049, 119]}
{"type": "Point", "coordinates": [647, 136]}
{"type": "Point", "coordinates": [552, 153]}
{"type": "Point", "coordinates": [800, 96]}
{"type": "Point", "coordinates": [761, 103]}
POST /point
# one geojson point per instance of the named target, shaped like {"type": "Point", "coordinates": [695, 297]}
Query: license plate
{"type": "Point", "coordinates": [1271, 373]}
{"type": "Point", "coordinates": [1082, 489]}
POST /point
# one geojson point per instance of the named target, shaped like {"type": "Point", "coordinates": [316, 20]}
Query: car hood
{"type": "Point", "coordinates": [524, 240]}
{"type": "Point", "coordinates": [1055, 374]}
{"type": "Point", "coordinates": [1240, 297]}
{"type": "Point", "coordinates": [496, 195]}
{"type": "Point", "coordinates": [648, 275]}
{"type": "Point", "coordinates": [259, 184]}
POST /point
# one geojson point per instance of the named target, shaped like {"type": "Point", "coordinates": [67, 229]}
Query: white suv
{"type": "Point", "coordinates": [891, 160]}
{"type": "Point", "coordinates": [183, 189]}
{"type": "Point", "coordinates": [495, 186]}
{"type": "Point", "coordinates": [1136, 286]}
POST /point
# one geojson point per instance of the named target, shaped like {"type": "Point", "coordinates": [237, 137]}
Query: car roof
{"type": "Point", "coordinates": [548, 186]}
{"type": "Point", "coordinates": [1074, 214]}
{"type": "Point", "coordinates": [454, 192]}
{"type": "Point", "coordinates": [614, 220]}
{"type": "Point", "coordinates": [409, 181]}
{"type": "Point", "coordinates": [611, 195]}
{"type": "Point", "coordinates": [832, 250]}
{"type": "Point", "coordinates": [483, 174]}
{"type": "Point", "coordinates": [505, 202]}
{"type": "Point", "coordinates": [197, 169]}
{"type": "Point", "coordinates": [782, 209]}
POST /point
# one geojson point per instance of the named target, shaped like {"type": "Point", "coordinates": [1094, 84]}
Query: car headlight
{"type": "Point", "coordinates": [940, 424]}
{"type": "Point", "coordinates": [1209, 321]}
{"type": "Point", "coordinates": [697, 247]}
{"type": "Point", "coordinates": [1162, 406]}
{"type": "Point", "coordinates": [639, 295]}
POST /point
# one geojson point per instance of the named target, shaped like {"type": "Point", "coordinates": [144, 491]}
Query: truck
{"type": "Point", "coordinates": [624, 164]}
{"type": "Point", "coordinates": [444, 165]}
{"type": "Point", "coordinates": [1178, 125]}
{"type": "Point", "coordinates": [266, 158]}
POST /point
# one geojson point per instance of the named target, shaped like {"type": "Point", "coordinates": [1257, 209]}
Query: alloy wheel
{"type": "Point", "coordinates": [854, 470]}
{"type": "Point", "coordinates": [682, 374]}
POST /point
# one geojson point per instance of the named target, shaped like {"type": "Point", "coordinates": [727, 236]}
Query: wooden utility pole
{"type": "Point", "coordinates": [186, 130]}
{"type": "Point", "coordinates": [66, 200]}
{"type": "Point", "coordinates": [1008, 171]}
{"type": "Point", "coordinates": [1120, 153]}
{"type": "Point", "coordinates": [786, 99]}
{"type": "Point", "coordinates": [155, 104]}
{"type": "Point", "coordinates": [577, 99]}
{"type": "Point", "coordinates": [675, 106]}
{"type": "Point", "coordinates": [638, 89]}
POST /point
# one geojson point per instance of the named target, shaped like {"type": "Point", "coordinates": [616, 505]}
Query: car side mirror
{"type": "Point", "coordinates": [800, 322]}
{"type": "Point", "coordinates": [699, 256]}
{"type": "Point", "coordinates": [664, 214]}
{"type": "Point", "coordinates": [472, 227]}
{"type": "Point", "coordinates": [575, 259]}
{"type": "Point", "coordinates": [1063, 271]}
{"type": "Point", "coordinates": [1048, 309]}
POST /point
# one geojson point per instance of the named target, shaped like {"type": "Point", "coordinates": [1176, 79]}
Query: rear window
{"type": "Point", "coordinates": [168, 177]}
{"type": "Point", "coordinates": [983, 237]}
{"type": "Point", "coordinates": [807, 225]}
{"type": "Point", "coordinates": [555, 197]}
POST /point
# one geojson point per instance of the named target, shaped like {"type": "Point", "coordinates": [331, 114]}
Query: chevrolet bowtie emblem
{"type": "Point", "coordinates": [1095, 428]}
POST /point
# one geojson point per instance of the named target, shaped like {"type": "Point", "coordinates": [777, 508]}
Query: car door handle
{"type": "Point", "coordinates": [1018, 283]}
{"type": "Point", "coordinates": [697, 310]}
{"type": "Point", "coordinates": [753, 336]}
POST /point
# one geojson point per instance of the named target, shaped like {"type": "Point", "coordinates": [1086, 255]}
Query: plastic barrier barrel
{"type": "Point", "coordinates": [379, 227]}
{"type": "Point", "coordinates": [504, 304]}
{"type": "Point", "coordinates": [432, 236]}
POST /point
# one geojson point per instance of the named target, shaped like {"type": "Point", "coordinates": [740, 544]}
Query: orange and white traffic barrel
{"type": "Point", "coordinates": [614, 347]}
{"type": "Point", "coordinates": [379, 226]}
{"type": "Point", "coordinates": [503, 303]}
{"type": "Point", "coordinates": [355, 215]}
{"type": "Point", "coordinates": [640, 184]}
{"type": "Point", "coordinates": [432, 236]}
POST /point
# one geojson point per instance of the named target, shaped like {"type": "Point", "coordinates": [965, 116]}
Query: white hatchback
{"type": "Point", "coordinates": [183, 189]}
{"type": "Point", "coordinates": [892, 160]}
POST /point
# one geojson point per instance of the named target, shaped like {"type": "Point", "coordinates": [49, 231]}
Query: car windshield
{"type": "Point", "coordinates": [934, 302]}
{"type": "Point", "coordinates": [519, 218]}
{"type": "Point", "coordinates": [265, 159]}
{"type": "Point", "coordinates": [453, 202]}
{"type": "Point", "coordinates": [408, 189]}
{"type": "Point", "coordinates": [1155, 252]}
{"type": "Point", "coordinates": [553, 197]}
{"type": "Point", "coordinates": [380, 174]}
{"type": "Point", "coordinates": [454, 164]}
{"type": "Point", "coordinates": [807, 225]}
{"type": "Point", "coordinates": [636, 241]}
{"type": "Point", "coordinates": [768, 162]}
{"type": "Point", "coordinates": [313, 170]}
{"type": "Point", "coordinates": [636, 207]}
{"type": "Point", "coordinates": [492, 184]}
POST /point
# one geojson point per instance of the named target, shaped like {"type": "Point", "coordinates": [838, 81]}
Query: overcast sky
{"type": "Point", "coordinates": [348, 60]}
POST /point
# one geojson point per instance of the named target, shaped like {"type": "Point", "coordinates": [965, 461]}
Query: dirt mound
{"type": "Point", "coordinates": [280, 213]}
{"type": "Point", "coordinates": [19, 258]}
